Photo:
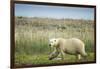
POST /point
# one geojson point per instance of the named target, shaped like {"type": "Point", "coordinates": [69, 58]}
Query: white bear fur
{"type": "Point", "coordinates": [71, 46]}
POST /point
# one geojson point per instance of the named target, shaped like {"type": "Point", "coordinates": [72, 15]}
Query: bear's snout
{"type": "Point", "coordinates": [49, 44]}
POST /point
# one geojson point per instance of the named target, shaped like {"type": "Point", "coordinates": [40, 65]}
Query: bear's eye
{"type": "Point", "coordinates": [55, 40]}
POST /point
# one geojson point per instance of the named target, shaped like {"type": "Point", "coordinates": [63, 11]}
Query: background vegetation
{"type": "Point", "coordinates": [32, 36]}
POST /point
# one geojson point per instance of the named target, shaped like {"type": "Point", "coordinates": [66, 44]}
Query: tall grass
{"type": "Point", "coordinates": [32, 34]}
{"type": "Point", "coordinates": [32, 37]}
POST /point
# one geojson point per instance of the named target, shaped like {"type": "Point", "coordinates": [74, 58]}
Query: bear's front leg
{"type": "Point", "coordinates": [54, 54]}
{"type": "Point", "coordinates": [62, 54]}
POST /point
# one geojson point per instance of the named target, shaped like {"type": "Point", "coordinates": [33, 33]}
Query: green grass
{"type": "Point", "coordinates": [42, 59]}
{"type": "Point", "coordinates": [32, 37]}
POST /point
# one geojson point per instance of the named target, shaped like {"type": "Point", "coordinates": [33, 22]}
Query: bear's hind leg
{"type": "Point", "coordinates": [78, 57]}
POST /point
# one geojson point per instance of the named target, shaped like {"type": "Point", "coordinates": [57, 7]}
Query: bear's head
{"type": "Point", "coordinates": [53, 42]}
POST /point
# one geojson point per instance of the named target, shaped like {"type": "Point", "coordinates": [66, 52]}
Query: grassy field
{"type": "Point", "coordinates": [42, 59]}
{"type": "Point", "coordinates": [32, 36]}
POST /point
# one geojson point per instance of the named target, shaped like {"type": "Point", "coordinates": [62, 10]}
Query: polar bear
{"type": "Point", "coordinates": [71, 46]}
